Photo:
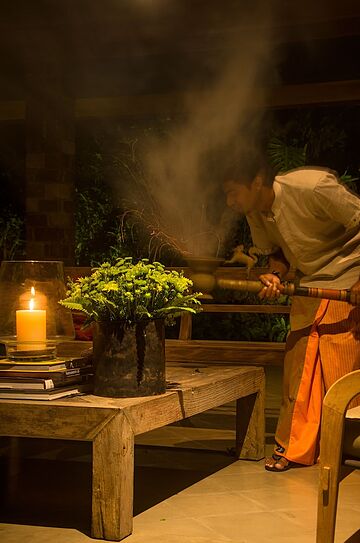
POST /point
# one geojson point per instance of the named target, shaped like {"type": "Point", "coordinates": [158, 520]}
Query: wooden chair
{"type": "Point", "coordinates": [339, 446]}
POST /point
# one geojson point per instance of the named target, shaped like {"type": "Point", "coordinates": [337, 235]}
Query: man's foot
{"type": "Point", "coordinates": [277, 463]}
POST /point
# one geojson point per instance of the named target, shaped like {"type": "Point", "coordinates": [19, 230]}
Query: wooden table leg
{"type": "Point", "coordinates": [250, 425]}
{"type": "Point", "coordinates": [13, 469]}
{"type": "Point", "coordinates": [113, 480]}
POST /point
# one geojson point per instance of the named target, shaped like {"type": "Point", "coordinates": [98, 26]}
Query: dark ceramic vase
{"type": "Point", "coordinates": [129, 360]}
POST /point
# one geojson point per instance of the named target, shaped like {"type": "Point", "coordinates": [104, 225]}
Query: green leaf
{"type": "Point", "coordinates": [72, 305]}
{"type": "Point", "coordinates": [132, 291]}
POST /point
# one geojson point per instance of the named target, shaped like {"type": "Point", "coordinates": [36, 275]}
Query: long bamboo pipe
{"type": "Point", "coordinates": [289, 289]}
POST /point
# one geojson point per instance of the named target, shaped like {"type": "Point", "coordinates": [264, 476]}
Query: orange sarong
{"type": "Point", "coordinates": [323, 345]}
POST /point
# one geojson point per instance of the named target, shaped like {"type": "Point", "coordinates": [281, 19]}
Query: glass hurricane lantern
{"type": "Point", "coordinates": [32, 322]}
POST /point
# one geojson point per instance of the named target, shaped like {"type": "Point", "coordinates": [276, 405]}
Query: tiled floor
{"type": "Point", "coordinates": [188, 489]}
{"type": "Point", "coordinates": [182, 496]}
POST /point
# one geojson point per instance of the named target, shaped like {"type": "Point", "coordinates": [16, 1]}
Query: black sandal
{"type": "Point", "coordinates": [277, 459]}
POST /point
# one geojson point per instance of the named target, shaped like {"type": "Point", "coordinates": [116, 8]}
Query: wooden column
{"type": "Point", "coordinates": [50, 148]}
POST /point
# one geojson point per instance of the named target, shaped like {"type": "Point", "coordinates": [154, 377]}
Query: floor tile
{"type": "Point", "coordinates": [252, 527]}
{"type": "Point", "coordinates": [164, 527]}
{"type": "Point", "coordinates": [219, 500]}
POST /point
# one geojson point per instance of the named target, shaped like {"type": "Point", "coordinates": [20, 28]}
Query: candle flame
{"type": "Point", "coordinates": [32, 300]}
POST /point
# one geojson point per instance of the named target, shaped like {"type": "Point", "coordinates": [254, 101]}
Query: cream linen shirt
{"type": "Point", "coordinates": [316, 222]}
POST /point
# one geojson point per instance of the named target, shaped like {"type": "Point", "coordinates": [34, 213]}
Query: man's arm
{"type": "Point", "coordinates": [278, 268]}
{"type": "Point", "coordinates": [334, 200]}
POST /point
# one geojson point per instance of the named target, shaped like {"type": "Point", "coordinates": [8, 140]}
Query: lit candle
{"type": "Point", "coordinates": [31, 326]}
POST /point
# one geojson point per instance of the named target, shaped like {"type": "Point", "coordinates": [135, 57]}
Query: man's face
{"type": "Point", "coordinates": [241, 198]}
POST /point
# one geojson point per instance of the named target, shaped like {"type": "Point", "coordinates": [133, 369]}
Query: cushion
{"type": "Point", "coordinates": [81, 333]}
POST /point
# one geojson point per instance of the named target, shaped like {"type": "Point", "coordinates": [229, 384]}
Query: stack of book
{"type": "Point", "coordinates": [45, 380]}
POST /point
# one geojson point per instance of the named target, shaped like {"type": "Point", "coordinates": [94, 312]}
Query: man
{"type": "Point", "coordinates": [307, 220]}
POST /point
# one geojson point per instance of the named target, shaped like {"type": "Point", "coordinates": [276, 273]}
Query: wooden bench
{"type": "Point", "coordinates": [260, 353]}
{"type": "Point", "coordinates": [111, 424]}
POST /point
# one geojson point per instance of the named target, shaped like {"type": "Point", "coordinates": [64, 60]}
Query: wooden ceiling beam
{"type": "Point", "coordinates": [172, 103]}
{"type": "Point", "coordinates": [12, 110]}
{"type": "Point", "coordinates": [118, 40]}
{"type": "Point", "coordinates": [334, 92]}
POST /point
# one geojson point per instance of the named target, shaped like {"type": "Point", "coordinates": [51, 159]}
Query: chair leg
{"type": "Point", "coordinates": [330, 465]}
{"type": "Point", "coordinates": [327, 505]}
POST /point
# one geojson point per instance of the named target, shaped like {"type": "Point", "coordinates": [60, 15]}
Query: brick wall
{"type": "Point", "coordinates": [50, 149]}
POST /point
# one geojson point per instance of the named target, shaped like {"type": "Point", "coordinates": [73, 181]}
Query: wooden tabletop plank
{"type": "Point", "coordinates": [80, 417]}
{"type": "Point", "coordinates": [48, 419]}
{"type": "Point", "coordinates": [189, 401]}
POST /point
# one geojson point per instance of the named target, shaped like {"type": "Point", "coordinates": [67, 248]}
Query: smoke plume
{"type": "Point", "coordinates": [223, 118]}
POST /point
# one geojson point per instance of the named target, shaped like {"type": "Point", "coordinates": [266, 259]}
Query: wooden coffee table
{"type": "Point", "coordinates": [111, 424]}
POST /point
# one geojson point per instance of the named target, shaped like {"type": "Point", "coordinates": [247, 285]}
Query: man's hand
{"type": "Point", "coordinates": [355, 294]}
{"type": "Point", "coordinates": [272, 287]}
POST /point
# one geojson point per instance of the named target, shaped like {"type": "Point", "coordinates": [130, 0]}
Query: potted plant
{"type": "Point", "coordinates": [130, 303]}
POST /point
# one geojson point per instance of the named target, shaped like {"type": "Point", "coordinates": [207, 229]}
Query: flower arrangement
{"type": "Point", "coordinates": [132, 293]}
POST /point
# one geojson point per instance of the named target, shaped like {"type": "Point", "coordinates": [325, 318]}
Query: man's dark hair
{"type": "Point", "coordinates": [247, 165]}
